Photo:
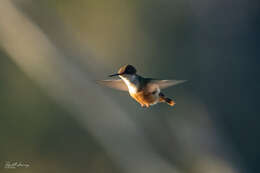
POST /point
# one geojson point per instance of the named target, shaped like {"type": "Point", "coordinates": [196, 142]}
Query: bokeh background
{"type": "Point", "coordinates": [54, 117]}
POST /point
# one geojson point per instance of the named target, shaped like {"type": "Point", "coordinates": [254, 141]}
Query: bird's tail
{"type": "Point", "coordinates": [166, 99]}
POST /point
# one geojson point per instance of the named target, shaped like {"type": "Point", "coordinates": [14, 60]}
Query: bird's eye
{"type": "Point", "coordinates": [154, 92]}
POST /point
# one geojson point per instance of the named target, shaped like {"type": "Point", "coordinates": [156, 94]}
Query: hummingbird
{"type": "Point", "coordinates": [146, 91]}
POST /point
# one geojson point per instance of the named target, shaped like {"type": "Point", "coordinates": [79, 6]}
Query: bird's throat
{"type": "Point", "coordinates": [132, 83]}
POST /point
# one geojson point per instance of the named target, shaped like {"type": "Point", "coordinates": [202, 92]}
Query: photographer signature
{"type": "Point", "coordinates": [14, 165]}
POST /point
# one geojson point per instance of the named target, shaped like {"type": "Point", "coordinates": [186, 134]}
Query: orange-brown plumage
{"type": "Point", "coordinates": [144, 98]}
{"type": "Point", "coordinates": [147, 99]}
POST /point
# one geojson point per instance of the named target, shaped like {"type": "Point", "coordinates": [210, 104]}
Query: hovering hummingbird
{"type": "Point", "coordinates": [146, 91]}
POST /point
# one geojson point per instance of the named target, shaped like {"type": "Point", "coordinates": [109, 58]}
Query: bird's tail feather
{"type": "Point", "coordinates": [169, 101]}
{"type": "Point", "coordinates": [166, 99]}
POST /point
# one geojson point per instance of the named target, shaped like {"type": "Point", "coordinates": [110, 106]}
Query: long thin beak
{"type": "Point", "coordinates": [116, 74]}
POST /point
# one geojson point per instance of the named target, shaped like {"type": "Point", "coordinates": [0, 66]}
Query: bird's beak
{"type": "Point", "coordinates": [116, 74]}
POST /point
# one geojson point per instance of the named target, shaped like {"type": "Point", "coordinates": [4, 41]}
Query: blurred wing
{"type": "Point", "coordinates": [116, 84]}
{"type": "Point", "coordinates": [167, 83]}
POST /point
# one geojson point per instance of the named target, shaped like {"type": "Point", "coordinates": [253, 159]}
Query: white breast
{"type": "Point", "coordinates": [130, 82]}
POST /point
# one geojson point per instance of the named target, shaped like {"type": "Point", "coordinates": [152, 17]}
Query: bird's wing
{"type": "Point", "coordinates": [166, 83]}
{"type": "Point", "coordinates": [116, 84]}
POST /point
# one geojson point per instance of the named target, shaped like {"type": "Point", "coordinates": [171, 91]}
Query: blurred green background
{"type": "Point", "coordinates": [55, 118]}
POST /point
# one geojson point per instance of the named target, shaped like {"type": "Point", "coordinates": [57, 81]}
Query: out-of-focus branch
{"type": "Point", "coordinates": [31, 50]}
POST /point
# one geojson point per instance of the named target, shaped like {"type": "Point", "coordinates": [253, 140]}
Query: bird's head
{"type": "Point", "coordinates": [125, 70]}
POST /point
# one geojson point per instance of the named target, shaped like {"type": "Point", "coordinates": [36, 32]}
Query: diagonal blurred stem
{"type": "Point", "coordinates": [31, 50]}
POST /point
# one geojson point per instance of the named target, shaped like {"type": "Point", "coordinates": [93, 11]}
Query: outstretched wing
{"type": "Point", "coordinates": [116, 84]}
{"type": "Point", "coordinates": [166, 83]}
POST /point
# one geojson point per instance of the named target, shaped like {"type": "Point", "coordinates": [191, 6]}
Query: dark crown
{"type": "Point", "coordinates": [127, 69]}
